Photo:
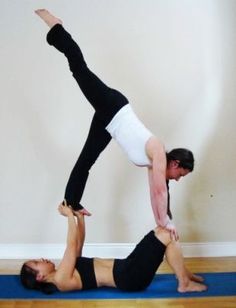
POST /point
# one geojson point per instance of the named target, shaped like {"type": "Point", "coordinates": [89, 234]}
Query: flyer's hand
{"type": "Point", "coordinates": [173, 232]}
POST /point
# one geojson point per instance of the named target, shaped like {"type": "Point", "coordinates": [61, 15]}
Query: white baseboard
{"type": "Point", "coordinates": [212, 249]}
{"type": "Point", "coordinates": [110, 250]}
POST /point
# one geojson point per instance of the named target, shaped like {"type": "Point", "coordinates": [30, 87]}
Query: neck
{"type": "Point", "coordinates": [51, 277]}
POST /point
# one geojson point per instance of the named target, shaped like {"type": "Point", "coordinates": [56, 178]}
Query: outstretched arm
{"type": "Point", "coordinates": [80, 232]}
{"type": "Point", "coordinates": [75, 240]}
{"type": "Point", "coordinates": [157, 185]}
{"type": "Point", "coordinates": [157, 181]}
{"type": "Point", "coordinates": [67, 265]}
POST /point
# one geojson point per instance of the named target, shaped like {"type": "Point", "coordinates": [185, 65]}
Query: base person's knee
{"type": "Point", "coordinates": [163, 235]}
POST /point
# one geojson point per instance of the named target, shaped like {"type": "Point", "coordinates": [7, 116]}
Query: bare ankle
{"type": "Point", "coordinates": [48, 18]}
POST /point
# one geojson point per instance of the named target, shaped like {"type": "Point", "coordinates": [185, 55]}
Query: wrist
{"type": "Point", "coordinates": [167, 221]}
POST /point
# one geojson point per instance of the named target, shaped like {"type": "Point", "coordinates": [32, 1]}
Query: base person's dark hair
{"type": "Point", "coordinates": [29, 281]}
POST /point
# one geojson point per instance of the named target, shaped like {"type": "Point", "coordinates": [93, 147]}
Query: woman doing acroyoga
{"type": "Point", "coordinates": [114, 118]}
{"type": "Point", "coordinates": [133, 273]}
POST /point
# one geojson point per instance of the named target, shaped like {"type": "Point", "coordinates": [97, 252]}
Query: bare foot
{"type": "Point", "coordinates": [85, 212]}
{"type": "Point", "coordinates": [49, 19]}
{"type": "Point", "coordinates": [196, 278]}
{"type": "Point", "coordinates": [193, 277]}
{"type": "Point", "coordinates": [82, 212]}
{"type": "Point", "coordinates": [192, 286]}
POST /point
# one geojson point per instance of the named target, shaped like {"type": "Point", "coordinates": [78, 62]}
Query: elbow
{"type": "Point", "coordinates": [160, 194]}
{"type": "Point", "coordinates": [72, 245]}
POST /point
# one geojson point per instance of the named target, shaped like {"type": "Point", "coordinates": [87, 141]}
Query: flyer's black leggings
{"type": "Point", "coordinates": [106, 102]}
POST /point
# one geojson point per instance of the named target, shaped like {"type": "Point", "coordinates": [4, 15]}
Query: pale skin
{"type": "Point", "coordinates": [67, 278]}
{"type": "Point", "coordinates": [158, 172]}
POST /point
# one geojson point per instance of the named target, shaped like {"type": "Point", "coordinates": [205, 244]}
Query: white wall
{"type": "Point", "coordinates": [174, 60]}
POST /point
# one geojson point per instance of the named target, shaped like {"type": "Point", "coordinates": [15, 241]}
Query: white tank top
{"type": "Point", "coordinates": [131, 135]}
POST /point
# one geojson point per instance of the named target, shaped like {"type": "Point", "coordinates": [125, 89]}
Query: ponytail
{"type": "Point", "coordinates": [29, 281]}
{"type": "Point", "coordinates": [168, 201]}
